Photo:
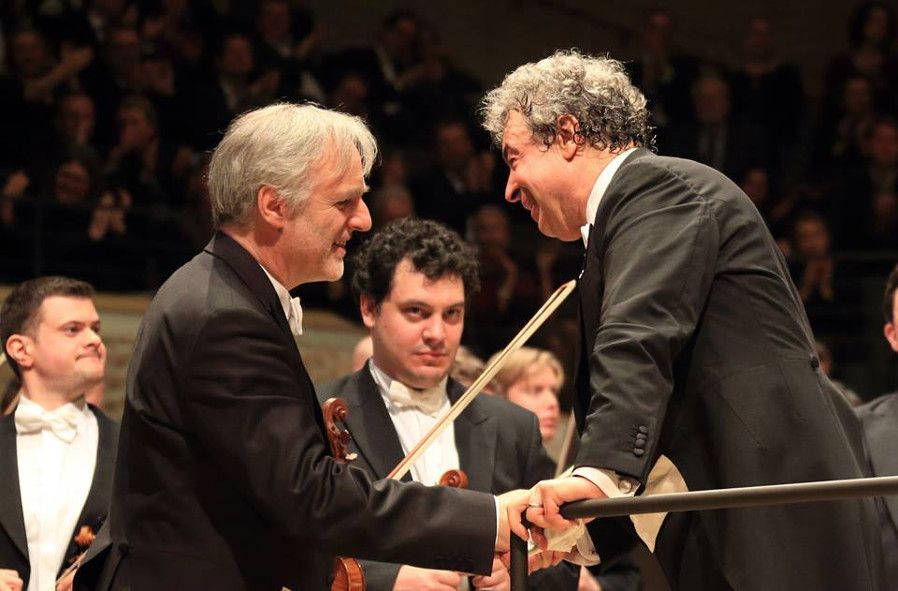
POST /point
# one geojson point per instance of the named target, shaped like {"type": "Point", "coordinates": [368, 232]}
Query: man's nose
{"type": "Point", "coordinates": [434, 330]}
{"type": "Point", "coordinates": [512, 190]}
{"type": "Point", "coordinates": [361, 221]}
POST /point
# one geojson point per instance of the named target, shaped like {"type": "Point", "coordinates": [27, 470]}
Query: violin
{"type": "Point", "coordinates": [348, 575]}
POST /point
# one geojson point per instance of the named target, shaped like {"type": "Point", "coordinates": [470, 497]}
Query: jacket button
{"type": "Point", "coordinates": [643, 429]}
{"type": "Point", "coordinates": [815, 363]}
{"type": "Point", "coordinates": [638, 451]}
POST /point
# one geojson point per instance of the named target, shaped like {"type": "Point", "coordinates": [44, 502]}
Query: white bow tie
{"type": "Point", "coordinates": [428, 401]}
{"type": "Point", "coordinates": [294, 318]}
{"type": "Point", "coordinates": [63, 421]}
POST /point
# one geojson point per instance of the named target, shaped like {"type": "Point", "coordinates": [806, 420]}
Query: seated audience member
{"type": "Point", "coordinates": [716, 138]}
{"type": "Point", "coordinates": [879, 419]}
{"type": "Point", "coordinates": [152, 169]}
{"type": "Point", "coordinates": [233, 87]}
{"type": "Point", "coordinates": [350, 95]}
{"type": "Point", "coordinates": [390, 203]}
{"type": "Point", "coordinates": [767, 92]}
{"type": "Point", "coordinates": [458, 183]}
{"type": "Point", "coordinates": [414, 278]}
{"type": "Point", "coordinates": [73, 129]}
{"type": "Point", "coordinates": [388, 65]}
{"type": "Point", "coordinates": [814, 266]}
{"type": "Point", "coordinates": [838, 139]}
{"type": "Point", "coordinates": [864, 217]}
{"type": "Point", "coordinates": [756, 183]}
{"type": "Point", "coordinates": [27, 95]}
{"type": "Point", "coordinates": [56, 450]}
{"type": "Point", "coordinates": [285, 40]}
{"type": "Point", "coordinates": [532, 378]}
{"type": "Point", "coordinates": [116, 75]}
{"type": "Point", "coordinates": [510, 289]}
{"type": "Point", "coordinates": [182, 30]}
{"type": "Point", "coordinates": [870, 52]}
{"type": "Point", "coordinates": [664, 76]}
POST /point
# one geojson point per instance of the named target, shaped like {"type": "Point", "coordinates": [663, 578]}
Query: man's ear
{"type": "Point", "coordinates": [368, 309]}
{"type": "Point", "coordinates": [272, 207]}
{"type": "Point", "coordinates": [566, 130]}
{"type": "Point", "coordinates": [891, 332]}
{"type": "Point", "coordinates": [18, 348]}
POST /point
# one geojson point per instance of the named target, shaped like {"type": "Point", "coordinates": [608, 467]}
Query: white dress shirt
{"type": "Point", "coordinates": [54, 480]}
{"type": "Point", "coordinates": [412, 425]}
{"type": "Point", "coordinates": [291, 306]}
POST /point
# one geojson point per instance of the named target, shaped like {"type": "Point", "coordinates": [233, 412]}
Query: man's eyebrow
{"type": "Point", "coordinates": [505, 151]}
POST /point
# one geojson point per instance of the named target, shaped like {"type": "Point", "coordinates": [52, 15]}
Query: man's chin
{"type": "Point", "coordinates": [334, 270]}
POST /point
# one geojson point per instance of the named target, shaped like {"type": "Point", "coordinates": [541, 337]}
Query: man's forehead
{"type": "Point", "coordinates": [515, 134]}
{"type": "Point", "coordinates": [59, 307]}
{"type": "Point", "coordinates": [408, 282]}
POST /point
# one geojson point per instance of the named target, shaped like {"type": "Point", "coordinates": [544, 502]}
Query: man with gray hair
{"type": "Point", "coordinates": [224, 480]}
{"type": "Point", "coordinates": [695, 346]}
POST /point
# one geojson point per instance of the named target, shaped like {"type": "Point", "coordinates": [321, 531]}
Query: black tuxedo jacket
{"type": "Point", "coordinates": [696, 346]}
{"type": "Point", "coordinates": [224, 480]}
{"type": "Point", "coordinates": [499, 448]}
{"type": "Point", "coordinates": [13, 543]}
{"type": "Point", "coordinates": [879, 420]}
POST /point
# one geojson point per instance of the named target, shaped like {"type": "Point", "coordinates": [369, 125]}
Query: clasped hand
{"type": "Point", "coordinates": [541, 505]}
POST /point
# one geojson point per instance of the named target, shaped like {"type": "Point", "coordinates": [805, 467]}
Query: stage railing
{"type": "Point", "coordinates": [704, 500]}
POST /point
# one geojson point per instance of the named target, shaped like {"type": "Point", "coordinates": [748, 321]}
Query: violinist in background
{"type": "Point", "coordinates": [57, 450]}
{"type": "Point", "coordinates": [414, 278]}
{"type": "Point", "coordinates": [223, 478]}
{"type": "Point", "coordinates": [532, 378]}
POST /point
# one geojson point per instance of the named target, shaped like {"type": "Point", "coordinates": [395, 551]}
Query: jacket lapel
{"type": "Point", "coordinates": [96, 505]}
{"type": "Point", "coordinates": [475, 440]}
{"type": "Point", "coordinates": [250, 272]}
{"type": "Point", "coordinates": [882, 442]}
{"type": "Point", "coordinates": [369, 425]}
{"type": "Point", "coordinates": [11, 517]}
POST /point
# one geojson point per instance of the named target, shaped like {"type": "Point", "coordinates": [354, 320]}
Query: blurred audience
{"type": "Point", "coordinates": [107, 106]}
{"type": "Point", "coordinates": [715, 137]}
{"type": "Point", "coordinates": [664, 75]}
{"type": "Point", "coordinates": [509, 290]}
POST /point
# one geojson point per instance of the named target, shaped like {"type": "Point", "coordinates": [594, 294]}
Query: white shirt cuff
{"type": "Point", "coordinates": [612, 485]}
{"type": "Point", "coordinates": [608, 481]}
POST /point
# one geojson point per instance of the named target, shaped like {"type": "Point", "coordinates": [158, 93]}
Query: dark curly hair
{"type": "Point", "coordinates": [432, 248]}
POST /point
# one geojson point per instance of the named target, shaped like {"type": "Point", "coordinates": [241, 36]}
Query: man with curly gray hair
{"type": "Point", "coordinates": [695, 346]}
